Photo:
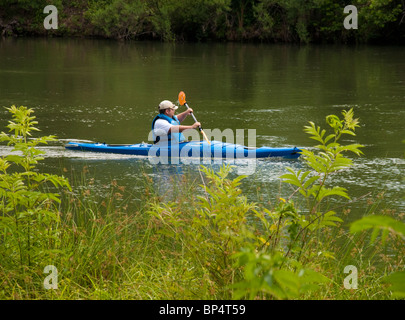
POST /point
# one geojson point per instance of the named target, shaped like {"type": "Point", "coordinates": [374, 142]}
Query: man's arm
{"type": "Point", "coordinates": [184, 114]}
{"type": "Point", "coordinates": [181, 128]}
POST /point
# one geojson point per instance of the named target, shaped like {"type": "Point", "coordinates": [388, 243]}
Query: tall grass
{"type": "Point", "coordinates": [109, 250]}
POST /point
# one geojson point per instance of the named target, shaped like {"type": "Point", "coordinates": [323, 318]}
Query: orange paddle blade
{"type": "Point", "coordinates": [182, 98]}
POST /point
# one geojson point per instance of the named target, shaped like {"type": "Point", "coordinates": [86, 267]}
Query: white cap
{"type": "Point", "coordinates": [166, 104]}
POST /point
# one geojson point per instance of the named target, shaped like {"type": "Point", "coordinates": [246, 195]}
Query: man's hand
{"type": "Point", "coordinates": [196, 125]}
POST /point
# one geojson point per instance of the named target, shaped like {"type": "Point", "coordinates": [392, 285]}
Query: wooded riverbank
{"type": "Point", "coordinates": [281, 21]}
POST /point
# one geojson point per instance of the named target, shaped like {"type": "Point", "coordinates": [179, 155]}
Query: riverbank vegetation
{"type": "Point", "coordinates": [205, 242]}
{"type": "Point", "coordinates": [287, 21]}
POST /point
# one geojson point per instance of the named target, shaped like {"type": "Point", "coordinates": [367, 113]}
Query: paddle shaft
{"type": "Point", "coordinates": [199, 127]}
{"type": "Point", "coordinates": [192, 114]}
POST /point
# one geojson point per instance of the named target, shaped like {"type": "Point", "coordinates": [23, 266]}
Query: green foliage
{"type": "Point", "coordinates": [277, 268]}
{"type": "Point", "coordinates": [312, 185]}
{"type": "Point", "coordinates": [379, 223]}
{"type": "Point", "coordinates": [396, 280]}
{"type": "Point", "coordinates": [328, 21]}
{"type": "Point", "coordinates": [200, 19]}
{"type": "Point", "coordinates": [214, 230]}
{"type": "Point", "coordinates": [120, 19]}
{"type": "Point", "coordinates": [375, 15]}
{"type": "Point", "coordinates": [263, 273]}
{"type": "Point", "coordinates": [29, 222]}
{"type": "Point", "coordinates": [386, 225]}
{"type": "Point", "coordinates": [327, 161]}
{"type": "Point", "coordinates": [166, 19]}
{"type": "Point", "coordinates": [224, 237]}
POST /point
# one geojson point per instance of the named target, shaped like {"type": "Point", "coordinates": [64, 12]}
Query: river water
{"type": "Point", "coordinates": [108, 91]}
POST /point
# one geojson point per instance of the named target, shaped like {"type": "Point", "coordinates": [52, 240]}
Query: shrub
{"type": "Point", "coordinates": [30, 220]}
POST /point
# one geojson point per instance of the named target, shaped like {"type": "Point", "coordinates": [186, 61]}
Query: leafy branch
{"type": "Point", "coordinates": [30, 215]}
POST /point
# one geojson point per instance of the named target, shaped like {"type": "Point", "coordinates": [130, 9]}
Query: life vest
{"type": "Point", "coordinates": [175, 136]}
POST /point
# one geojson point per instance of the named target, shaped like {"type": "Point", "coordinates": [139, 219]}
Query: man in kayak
{"type": "Point", "coordinates": [166, 126]}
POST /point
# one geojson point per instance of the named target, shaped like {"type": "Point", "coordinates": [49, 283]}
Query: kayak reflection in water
{"type": "Point", "coordinates": [166, 126]}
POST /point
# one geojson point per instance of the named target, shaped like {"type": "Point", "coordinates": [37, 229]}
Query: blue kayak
{"type": "Point", "coordinates": [193, 149]}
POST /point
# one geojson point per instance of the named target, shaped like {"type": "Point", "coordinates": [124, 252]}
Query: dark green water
{"type": "Point", "coordinates": [109, 91]}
